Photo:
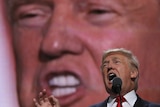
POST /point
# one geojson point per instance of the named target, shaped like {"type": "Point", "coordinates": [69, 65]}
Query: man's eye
{"type": "Point", "coordinates": [116, 62]}
{"type": "Point", "coordinates": [104, 67]}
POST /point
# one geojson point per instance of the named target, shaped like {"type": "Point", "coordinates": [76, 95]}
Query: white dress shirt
{"type": "Point", "coordinates": [130, 100]}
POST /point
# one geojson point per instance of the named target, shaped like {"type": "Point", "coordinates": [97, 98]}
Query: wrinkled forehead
{"type": "Point", "coordinates": [133, 9]}
{"type": "Point", "coordinates": [111, 55]}
{"type": "Point", "coordinates": [116, 55]}
{"type": "Point", "coordinates": [127, 5]}
{"type": "Point", "coordinates": [120, 2]}
{"type": "Point", "coordinates": [24, 1]}
{"type": "Point", "coordinates": [14, 3]}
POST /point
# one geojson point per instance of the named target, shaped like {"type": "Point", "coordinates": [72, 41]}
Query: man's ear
{"type": "Point", "coordinates": [134, 73]}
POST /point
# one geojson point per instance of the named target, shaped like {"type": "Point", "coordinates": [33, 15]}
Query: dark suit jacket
{"type": "Point", "coordinates": [139, 103]}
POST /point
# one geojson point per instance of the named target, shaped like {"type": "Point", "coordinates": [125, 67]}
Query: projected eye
{"type": "Point", "coordinates": [33, 15]}
{"type": "Point", "coordinates": [30, 15]}
{"type": "Point", "coordinates": [101, 15]}
{"type": "Point", "coordinates": [98, 11]}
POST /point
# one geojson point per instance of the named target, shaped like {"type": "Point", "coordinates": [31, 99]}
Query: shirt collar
{"type": "Point", "coordinates": [110, 102]}
{"type": "Point", "coordinates": [130, 98]}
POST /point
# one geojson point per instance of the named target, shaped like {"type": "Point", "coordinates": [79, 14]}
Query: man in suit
{"type": "Point", "coordinates": [118, 64]}
{"type": "Point", "coordinates": [123, 64]}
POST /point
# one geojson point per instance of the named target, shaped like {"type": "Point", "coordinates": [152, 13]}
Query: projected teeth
{"type": "Point", "coordinates": [64, 85]}
{"type": "Point", "coordinates": [59, 92]}
{"type": "Point", "coordinates": [63, 81]}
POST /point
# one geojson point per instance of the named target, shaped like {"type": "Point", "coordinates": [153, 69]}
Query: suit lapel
{"type": "Point", "coordinates": [140, 102]}
{"type": "Point", "coordinates": [104, 104]}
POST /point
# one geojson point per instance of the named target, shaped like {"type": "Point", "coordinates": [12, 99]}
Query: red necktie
{"type": "Point", "coordinates": [119, 100]}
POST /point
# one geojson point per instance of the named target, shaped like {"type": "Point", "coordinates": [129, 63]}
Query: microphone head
{"type": "Point", "coordinates": [116, 85]}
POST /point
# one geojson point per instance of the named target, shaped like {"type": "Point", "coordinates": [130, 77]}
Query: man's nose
{"type": "Point", "coordinates": [60, 38]}
{"type": "Point", "coordinates": [110, 67]}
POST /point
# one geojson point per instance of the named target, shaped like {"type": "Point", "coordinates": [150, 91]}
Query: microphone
{"type": "Point", "coordinates": [116, 85]}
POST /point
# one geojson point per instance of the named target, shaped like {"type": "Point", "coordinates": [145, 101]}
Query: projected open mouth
{"type": "Point", "coordinates": [63, 84]}
{"type": "Point", "coordinates": [66, 86]}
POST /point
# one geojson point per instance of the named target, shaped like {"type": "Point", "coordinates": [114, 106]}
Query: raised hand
{"type": "Point", "coordinates": [44, 101]}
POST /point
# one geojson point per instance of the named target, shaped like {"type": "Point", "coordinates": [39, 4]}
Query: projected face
{"type": "Point", "coordinates": [59, 44]}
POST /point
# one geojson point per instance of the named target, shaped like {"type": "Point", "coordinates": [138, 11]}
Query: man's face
{"type": "Point", "coordinates": [59, 43]}
{"type": "Point", "coordinates": [117, 65]}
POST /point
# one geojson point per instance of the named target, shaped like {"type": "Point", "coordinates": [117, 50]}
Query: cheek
{"type": "Point", "coordinates": [105, 79]}
{"type": "Point", "coordinates": [27, 45]}
{"type": "Point", "coordinates": [112, 38]}
{"type": "Point", "coordinates": [125, 74]}
{"type": "Point", "coordinates": [27, 42]}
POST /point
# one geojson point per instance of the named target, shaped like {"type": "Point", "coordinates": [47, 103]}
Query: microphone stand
{"type": "Point", "coordinates": [119, 94]}
{"type": "Point", "coordinates": [116, 88]}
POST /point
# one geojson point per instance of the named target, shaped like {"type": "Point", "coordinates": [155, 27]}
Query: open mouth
{"type": "Point", "coordinates": [66, 86]}
{"type": "Point", "coordinates": [111, 76]}
{"type": "Point", "coordinates": [62, 85]}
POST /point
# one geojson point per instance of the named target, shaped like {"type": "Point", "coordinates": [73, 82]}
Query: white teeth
{"type": "Point", "coordinates": [58, 92]}
{"type": "Point", "coordinates": [64, 85]}
{"type": "Point", "coordinates": [111, 76]}
{"type": "Point", "coordinates": [62, 80]}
